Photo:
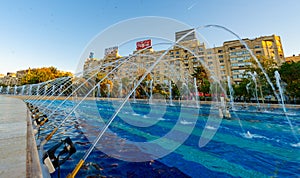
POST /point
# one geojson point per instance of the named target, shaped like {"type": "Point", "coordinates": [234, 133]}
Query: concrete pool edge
{"type": "Point", "coordinates": [265, 105]}
{"type": "Point", "coordinates": [33, 166]}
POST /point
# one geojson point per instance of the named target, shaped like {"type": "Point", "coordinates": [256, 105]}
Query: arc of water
{"type": "Point", "coordinates": [74, 91]}
{"type": "Point", "coordinates": [36, 99]}
{"type": "Point", "coordinates": [258, 63]}
{"type": "Point", "coordinates": [278, 79]}
{"type": "Point", "coordinates": [82, 84]}
{"type": "Point", "coordinates": [251, 53]}
{"type": "Point", "coordinates": [120, 107]}
{"type": "Point", "coordinates": [41, 99]}
{"type": "Point", "coordinates": [48, 137]}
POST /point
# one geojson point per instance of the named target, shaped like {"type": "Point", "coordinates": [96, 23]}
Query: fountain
{"type": "Point", "coordinates": [230, 137]}
{"type": "Point", "coordinates": [151, 91]}
{"type": "Point", "coordinates": [278, 80]}
{"type": "Point", "coordinates": [170, 93]}
{"type": "Point", "coordinates": [15, 90]}
{"type": "Point", "coordinates": [98, 90]}
{"type": "Point", "coordinates": [38, 90]}
{"type": "Point", "coordinates": [53, 89]}
{"type": "Point", "coordinates": [231, 92]}
{"type": "Point", "coordinates": [196, 93]}
{"type": "Point", "coordinates": [253, 77]}
{"type": "Point", "coordinates": [23, 88]}
{"type": "Point", "coordinates": [30, 90]}
{"type": "Point", "coordinates": [60, 88]}
{"type": "Point", "coordinates": [7, 89]}
{"type": "Point", "coordinates": [45, 90]}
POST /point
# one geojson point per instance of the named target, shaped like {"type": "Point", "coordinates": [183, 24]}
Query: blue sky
{"type": "Point", "coordinates": [55, 33]}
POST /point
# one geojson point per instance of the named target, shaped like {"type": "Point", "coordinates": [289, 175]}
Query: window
{"type": "Point", "coordinates": [257, 52]}
{"type": "Point", "coordinates": [220, 51]}
{"type": "Point", "coordinates": [222, 67]}
{"type": "Point", "coordinates": [257, 46]}
{"type": "Point", "coordinates": [221, 61]}
{"type": "Point", "coordinates": [221, 56]}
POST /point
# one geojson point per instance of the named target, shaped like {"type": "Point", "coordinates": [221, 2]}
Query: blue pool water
{"type": "Point", "coordinates": [269, 148]}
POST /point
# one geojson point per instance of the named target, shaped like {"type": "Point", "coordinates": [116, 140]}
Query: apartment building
{"type": "Point", "coordinates": [238, 57]}
{"type": "Point", "coordinates": [293, 58]}
{"type": "Point", "coordinates": [230, 59]}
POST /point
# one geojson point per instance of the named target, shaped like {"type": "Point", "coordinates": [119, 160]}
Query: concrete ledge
{"type": "Point", "coordinates": [33, 167]}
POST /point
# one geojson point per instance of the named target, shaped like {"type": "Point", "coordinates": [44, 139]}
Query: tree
{"type": "Point", "coordinates": [202, 79]}
{"type": "Point", "coordinates": [43, 74]}
{"type": "Point", "coordinates": [106, 85]}
{"type": "Point", "coordinates": [290, 74]}
{"type": "Point", "coordinates": [142, 90]}
{"type": "Point", "coordinates": [244, 89]}
{"type": "Point", "coordinates": [269, 66]}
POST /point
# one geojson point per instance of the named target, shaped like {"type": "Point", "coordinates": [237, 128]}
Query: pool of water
{"type": "Point", "coordinates": [250, 144]}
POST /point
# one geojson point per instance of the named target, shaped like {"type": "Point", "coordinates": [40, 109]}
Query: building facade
{"type": "Point", "coordinates": [293, 58]}
{"type": "Point", "coordinates": [238, 57]}
{"type": "Point", "coordinates": [179, 63]}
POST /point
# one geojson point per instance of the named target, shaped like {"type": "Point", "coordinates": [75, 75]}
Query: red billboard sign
{"type": "Point", "coordinates": [143, 44]}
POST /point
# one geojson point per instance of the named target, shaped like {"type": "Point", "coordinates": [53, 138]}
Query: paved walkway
{"type": "Point", "coordinates": [13, 130]}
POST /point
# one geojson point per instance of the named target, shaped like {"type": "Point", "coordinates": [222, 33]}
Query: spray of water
{"type": "Point", "coordinates": [278, 80]}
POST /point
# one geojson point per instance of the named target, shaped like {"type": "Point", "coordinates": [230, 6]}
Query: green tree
{"type": "Point", "coordinates": [290, 73]}
{"type": "Point", "coordinates": [269, 66]}
{"type": "Point", "coordinates": [203, 84]}
{"type": "Point", "coordinates": [43, 74]}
